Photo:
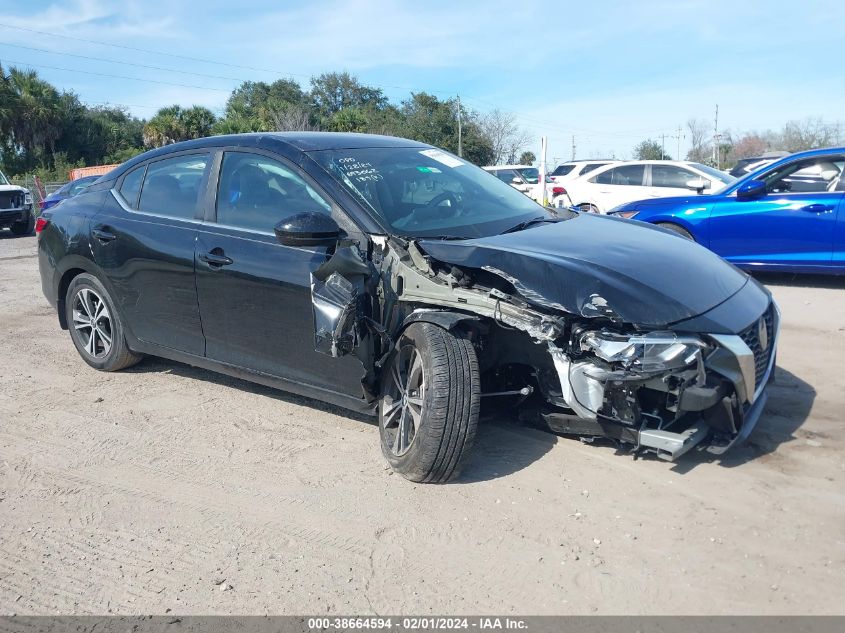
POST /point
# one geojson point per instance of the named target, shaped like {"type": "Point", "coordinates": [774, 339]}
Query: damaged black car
{"type": "Point", "coordinates": [391, 277]}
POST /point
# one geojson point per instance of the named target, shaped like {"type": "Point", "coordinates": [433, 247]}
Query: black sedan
{"type": "Point", "coordinates": [391, 277]}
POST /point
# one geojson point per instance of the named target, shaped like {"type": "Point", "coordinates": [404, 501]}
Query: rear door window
{"type": "Point", "coordinates": [630, 175]}
{"type": "Point", "coordinates": [591, 166]}
{"type": "Point", "coordinates": [562, 170]}
{"type": "Point", "coordinates": [172, 186]}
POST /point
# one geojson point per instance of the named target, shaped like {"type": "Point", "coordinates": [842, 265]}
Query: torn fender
{"type": "Point", "coordinates": [599, 266]}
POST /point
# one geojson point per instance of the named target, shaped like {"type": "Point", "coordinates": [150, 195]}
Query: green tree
{"type": "Point", "coordinates": [197, 122]}
{"type": "Point", "coordinates": [650, 150]}
{"type": "Point", "coordinates": [332, 92]}
{"type": "Point", "coordinates": [173, 124]}
{"type": "Point", "coordinates": [33, 119]}
{"type": "Point", "coordinates": [527, 158]}
{"type": "Point", "coordinates": [256, 106]}
{"type": "Point", "coordinates": [432, 121]}
{"type": "Point", "coordinates": [349, 120]}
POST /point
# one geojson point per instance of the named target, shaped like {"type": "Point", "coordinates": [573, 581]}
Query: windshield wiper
{"type": "Point", "coordinates": [525, 224]}
{"type": "Point", "coordinates": [436, 237]}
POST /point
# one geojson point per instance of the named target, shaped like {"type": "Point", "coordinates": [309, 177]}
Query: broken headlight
{"type": "Point", "coordinates": [647, 353]}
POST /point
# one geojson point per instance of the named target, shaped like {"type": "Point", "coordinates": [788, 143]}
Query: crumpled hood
{"type": "Point", "coordinates": [602, 266]}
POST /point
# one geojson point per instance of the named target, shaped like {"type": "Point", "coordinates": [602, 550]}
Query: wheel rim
{"type": "Point", "coordinates": [402, 403]}
{"type": "Point", "coordinates": [92, 322]}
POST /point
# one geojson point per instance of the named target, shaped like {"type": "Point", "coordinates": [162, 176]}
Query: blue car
{"type": "Point", "coordinates": [69, 190]}
{"type": "Point", "coordinates": [788, 216]}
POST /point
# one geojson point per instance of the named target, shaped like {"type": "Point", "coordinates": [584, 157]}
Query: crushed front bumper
{"type": "Point", "coordinates": [713, 418]}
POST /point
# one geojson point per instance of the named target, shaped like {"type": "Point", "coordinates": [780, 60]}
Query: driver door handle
{"type": "Point", "coordinates": [102, 235]}
{"type": "Point", "coordinates": [215, 259]}
{"type": "Point", "coordinates": [817, 208]}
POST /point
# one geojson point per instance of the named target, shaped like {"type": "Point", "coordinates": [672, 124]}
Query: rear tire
{"type": "Point", "coordinates": [428, 411]}
{"type": "Point", "coordinates": [24, 227]}
{"type": "Point", "coordinates": [677, 229]}
{"type": "Point", "coordinates": [95, 326]}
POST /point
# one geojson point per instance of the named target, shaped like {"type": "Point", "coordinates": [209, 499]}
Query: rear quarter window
{"type": "Point", "coordinates": [131, 186]}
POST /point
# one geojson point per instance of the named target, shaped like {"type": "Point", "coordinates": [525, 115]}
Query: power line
{"type": "Point", "coordinates": [144, 50]}
{"type": "Point", "coordinates": [117, 61]}
{"type": "Point", "coordinates": [114, 104]}
{"type": "Point", "coordinates": [90, 72]}
{"type": "Point", "coordinates": [526, 118]}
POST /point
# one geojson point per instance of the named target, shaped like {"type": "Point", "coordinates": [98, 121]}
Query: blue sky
{"type": "Point", "coordinates": [610, 73]}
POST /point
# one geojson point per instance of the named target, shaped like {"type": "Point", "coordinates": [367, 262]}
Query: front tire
{"type": "Point", "coordinates": [428, 411]}
{"type": "Point", "coordinates": [95, 326]}
{"type": "Point", "coordinates": [24, 227]}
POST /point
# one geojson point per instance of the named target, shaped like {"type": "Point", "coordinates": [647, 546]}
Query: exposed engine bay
{"type": "Point", "coordinates": [578, 366]}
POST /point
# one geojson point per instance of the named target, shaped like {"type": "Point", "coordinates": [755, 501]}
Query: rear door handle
{"type": "Point", "coordinates": [102, 235]}
{"type": "Point", "coordinates": [817, 208]}
{"type": "Point", "coordinates": [215, 259]}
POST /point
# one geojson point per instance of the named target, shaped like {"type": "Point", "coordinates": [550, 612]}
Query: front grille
{"type": "Point", "coordinates": [751, 336]}
{"type": "Point", "coordinates": [11, 200]}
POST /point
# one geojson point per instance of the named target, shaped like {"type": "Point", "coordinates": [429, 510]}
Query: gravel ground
{"type": "Point", "coordinates": [166, 488]}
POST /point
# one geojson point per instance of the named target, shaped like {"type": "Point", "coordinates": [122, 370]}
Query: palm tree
{"type": "Point", "coordinates": [165, 127]}
{"type": "Point", "coordinates": [36, 122]}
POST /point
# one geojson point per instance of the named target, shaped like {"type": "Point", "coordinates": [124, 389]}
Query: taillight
{"type": "Point", "coordinates": [558, 191]}
{"type": "Point", "coordinates": [41, 224]}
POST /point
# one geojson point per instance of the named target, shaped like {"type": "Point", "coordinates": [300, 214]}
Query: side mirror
{"type": "Point", "coordinates": [698, 184]}
{"type": "Point", "coordinates": [308, 229]}
{"type": "Point", "coordinates": [516, 181]}
{"type": "Point", "coordinates": [751, 190]}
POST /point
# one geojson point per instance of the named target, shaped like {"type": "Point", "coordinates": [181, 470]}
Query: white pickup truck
{"type": "Point", "coordinates": [15, 208]}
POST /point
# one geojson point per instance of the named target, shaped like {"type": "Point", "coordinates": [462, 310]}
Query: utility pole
{"type": "Point", "coordinates": [716, 138]}
{"type": "Point", "coordinates": [541, 180]}
{"type": "Point", "coordinates": [460, 139]}
{"type": "Point", "coordinates": [662, 147]}
{"type": "Point", "coordinates": [573, 147]}
{"type": "Point", "coordinates": [679, 137]}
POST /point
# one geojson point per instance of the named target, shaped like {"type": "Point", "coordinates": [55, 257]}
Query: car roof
{"type": "Point", "coordinates": [489, 167]}
{"type": "Point", "coordinates": [593, 160]}
{"type": "Point", "coordinates": [285, 143]}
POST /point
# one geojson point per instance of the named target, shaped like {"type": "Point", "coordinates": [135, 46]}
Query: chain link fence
{"type": "Point", "coordinates": [38, 195]}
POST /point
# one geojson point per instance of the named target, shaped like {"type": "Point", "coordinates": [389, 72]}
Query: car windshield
{"type": "Point", "coordinates": [722, 177]}
{"type": "Point", "coordinates": [3, 180]}
{"type": "Point", "coordinates": [428, 192]}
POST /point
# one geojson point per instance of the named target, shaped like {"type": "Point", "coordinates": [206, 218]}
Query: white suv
{"type": "Point", "coordinates": [525, 178]}
{"type": "Point", "coordinates": [575, 168]}
{"type": "Point", "coordinates": [618, 183]}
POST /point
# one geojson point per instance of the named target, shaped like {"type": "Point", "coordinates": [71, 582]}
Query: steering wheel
{"type": "Point", "coordinates": [442, 197]}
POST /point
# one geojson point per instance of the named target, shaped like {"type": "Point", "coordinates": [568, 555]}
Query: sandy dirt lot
{"type": "Point", "coordinates": [170, 489]}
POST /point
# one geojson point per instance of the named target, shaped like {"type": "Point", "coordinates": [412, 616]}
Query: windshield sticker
{"type": "Point", "coordinates": [429, 170]}
{"type": "Point", "coordinates": [358, 171]}
{"type": "Point", "coordinates": [442, 157]}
